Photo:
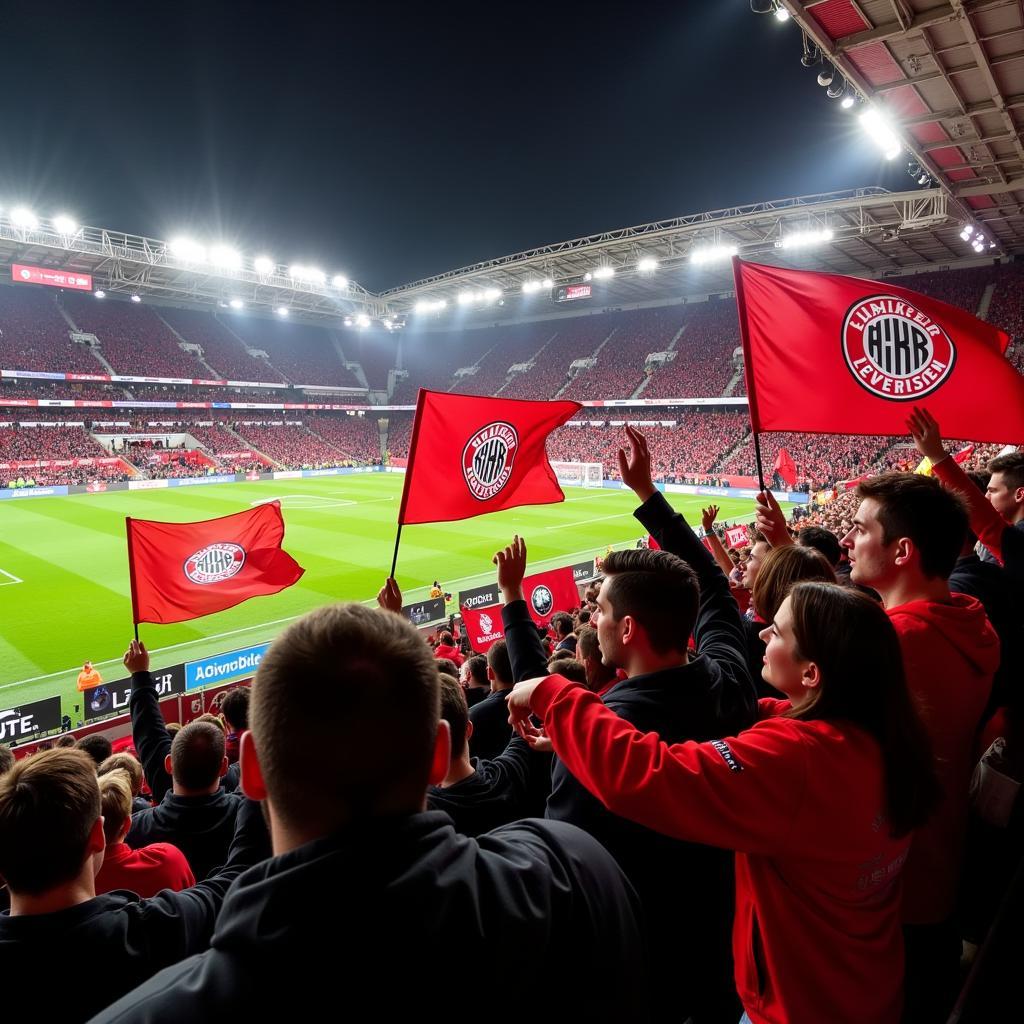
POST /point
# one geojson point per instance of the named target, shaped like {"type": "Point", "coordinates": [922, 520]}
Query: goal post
{"type": "Point", "coordinates": [579, 474]}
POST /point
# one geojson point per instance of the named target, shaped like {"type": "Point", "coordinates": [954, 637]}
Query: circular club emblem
{"type": "Point", "coordinates": [25, 274]}
{"type": "Point", "coordinates": [485, 623]}
{"type": "Point", "coordinates": [894, 350]}
{"type": "Point", "coordinates": [214, 563]}
{"type": "Point", "coordinates": [487, 459]}
{"type": "Point", "coordinates": [541, 600]}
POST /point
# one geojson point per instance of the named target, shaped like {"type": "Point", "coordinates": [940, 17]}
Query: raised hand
{"type": "Point", "coordinates": [927, 437]}
{"type": "Point", "coordinates": [511, 563]}
{"type": "Point", "coordinates": [635, 467]}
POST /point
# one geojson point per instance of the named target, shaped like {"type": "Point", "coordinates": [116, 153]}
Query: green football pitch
{"type": "Point", "coordinates": [64, 593]}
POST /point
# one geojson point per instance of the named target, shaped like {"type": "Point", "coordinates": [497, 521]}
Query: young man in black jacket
{"type": "Point", "coordinates": [491, 731]}
{"type": "Point", "coordinates": [648, 605]}
{"type": "Point", "coordinates": [368, 891]}
{"type": "Point", "coordinates": [51, 846]}
{"type": "Point", "coordinates": [191, 809]}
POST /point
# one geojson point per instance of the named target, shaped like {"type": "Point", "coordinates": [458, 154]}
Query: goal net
{"type": "Point", "coordinates": [579, 474]}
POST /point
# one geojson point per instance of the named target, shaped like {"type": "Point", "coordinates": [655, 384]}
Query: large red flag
{"type": "Point", "coordinates": [483, 626]}
{"type": "Point", "coordinates": [180, 571]}
{"type": "Point", "coordinates": [830, 354]}
{"type": "Point", "coordinates": [550, 592]}
{"type": "Point", "coordinates": [470, 455]}
{"type": "Point", "coordinates": [785, 467]}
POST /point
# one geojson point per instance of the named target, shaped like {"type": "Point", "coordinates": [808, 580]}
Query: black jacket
{"type": "Point", "coordinates": [491, 731]}
{"type": "Point", "coordinates": [712, 696]}
{"type": "Point", "coordinates": [387, 907]}
{"type": "Point", "coordinates": [200, 826]}
{"type": "Point", "coordinates": [116, 941]}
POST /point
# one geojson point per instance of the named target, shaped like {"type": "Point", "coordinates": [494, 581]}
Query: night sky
{"type": "Point", "coordinates": [393, 141]}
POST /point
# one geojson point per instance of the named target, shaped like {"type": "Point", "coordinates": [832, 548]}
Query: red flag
{"type": "Point", "coordinates": [483, 626]}
{"type": "Point", "coordinates": [737, 536]}
{"type": "Point", "coordinates": [471, 455]}
{"type": "Point", "coordinates": [831, 354]}
{"type": "Point", "coordinates": [785, 467]}
{"type": "Point", "coordinates": [181, 571]}
{"type": "Point", "coordinates": [550, 592]}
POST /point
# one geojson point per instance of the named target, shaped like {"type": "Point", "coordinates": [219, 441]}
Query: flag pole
{"type": "Point", "coordinates": [394, 560]}
{"type": "Point", "coordinates": [417, 417]}
{"type": "Point", "coordinates": [748, 370]}
{"type": "Point", "coordinates": [131, 576]}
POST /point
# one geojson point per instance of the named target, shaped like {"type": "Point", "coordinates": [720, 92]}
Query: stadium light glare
{"type": "Point", "coordinates": [64, 225]}
{"type": "Point", "coordinates": [23, 217]}
{"type": "Point", "coordinates": [881, 133]}
{"type": "Point", "coordinates": [100, 293]}
{"type": "Point", "coordinates": [847, 101]}
{"type": "Point", "coordinates": [966, 233]}
{"type": "Point", "coordinates": [465, 298]}
{"type": "Point", "coordinates": [236, 304]}
{"type": "Point", "coordinates": [547, 283]}
{"type": "Point", "coordinates": [430, 305]}
{"type": "Point", "coordinates": [529, 287]}
{"type": "Point", "coordinates": [781, 14]}
{"type": "Point", "coordinates": [186, 249]}
{"type": "Point", "coordinates": [281, 310]}
{"type": "Point", "coordinates": [713, 253]}
{"type": "Point", "coordinates": [316, 275]}
{"type": "Point", "coordinates": [647, 265]}
{"type": "Point", "coordinates": [263, 265]}
{"type": "Point", "coordinates": [802, 239]}
{"type": "Point", "coordinates": [339, 281]}
{"type": "Point", "coordinates": [136, 298]}
{"type": "Point", "coordinates": [225, 256]}
{"type": "Point", "coordinates": [297, 271]}
{"type": "Point", "coordinates": [362, 320]}
{"type": "Point", "coordinates": [492, 294]}
{"type": "Point", "coordinates": [603, 273]}
{"type": "Point", "coordinates": [588, 276]}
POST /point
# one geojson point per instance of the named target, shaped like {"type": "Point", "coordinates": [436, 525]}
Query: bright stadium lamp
{"type": "Point", "coordinates": [186, 249]}
{"type": "Point", "coordinates": [647, 265]}
{"type": "Point", "coordinates": [492, 294]}
{"type": "Point", "coordinates": [339, 281]}
{"type": "Point", "coordinates": [547, 283]}
{"type": "Point", "coordinates": [847, 101]}
{"type": "Point", "coordinates": [529, 287]}
{"type": "Point", "coordinates": [465, 298]}
{"type": "Point", "coordinates": [362, 320]}
{"type": "Point", "coordinates": [263, 265]}
{"type": "Point", "coordinates": [281, 310]}
{"type": "Point", "coordinates": [603, 273]}
{"type": "Point", "coordinates": [297, 271]}
{"type": "Point", "coordinates": [588, 276]}
{"type": "Point", "coordinates": [136, 298]}
{"type": "Point", "coordinates": [64, 225]}
{"type": "Point", "coordinates": [881, 133]}
{"type": "Point", "coordinates": [781, 14]}
{"type": "Point", "coordinates": [225, 256]}
{"type": "Point", "coordinates": [236, 304]}
{"type": "Point", "coordinates": [23, 217]}
{"type": "Point", "coordinates": [713, 253]}
{"type": "Point", "coordinates": [316, 275]}
{"type": "Point", "coordinates": [100, 293]}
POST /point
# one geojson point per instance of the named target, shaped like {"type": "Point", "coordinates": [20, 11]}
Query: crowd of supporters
{"type": "Point", "coordinates": [22, 443]}
{"type": "Point", "coordinates": [356, 437]}
{"type": "Point", "coordinates": [34, 335]}
{"type": "Point", "coordinates": [291, 446]}
{"type": "Point", "coordinates": [303, 353]}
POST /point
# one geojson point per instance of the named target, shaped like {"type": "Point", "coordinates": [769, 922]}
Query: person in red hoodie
{"type": "Point", "coordinates": [447, 649]}
{"type": "Point", "coordinates": [818, 799]}
{"type": "Point", "coordinates": [144, 871]}
{"type": "Point", "coordinates": [906, 537]}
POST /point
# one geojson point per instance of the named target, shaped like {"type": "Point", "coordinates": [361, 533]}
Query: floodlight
{"type": "Point", "coordinates": [991, 245]}
{"type": "Point", "coordinates": [23, 217]}
{"type": "Point", "coordinates": [339, 281]}
{"type": "Point", "coordinates": [529, 287]}
{"type": "Point", "coordinates": [297, 271]}
{"type": "Point", "coordinates": [847, 101]}
{"type": "Point", "coordinates": [711, 253]}
{"type": "Point", "coordinates": [977, 246]}
{"type": "Point", "coordinates": [801, 239]}
{"type": "Point", "coordinates": [877, 126]}
{"type": "Point", "coordinates": [587, 276]}
{"type": "Point", "coordinates": [348, 321]}
{"type": "Point", "coordinates": [316, 275]}
{"type": "Point", "coordinates": [826, 75]}
{"type": "Point", "coordinates": [263, 265]}
{"type": "Point", "coordinates": [281, 310]}
{"type": "Point", "coordinates": [236, 304]}
{"type": "Point", "coordinates": [492, 294]}
{"type": "Point", "coordinates": [547, 282]}
{"type": "Point", "coordinates": [136, 298]}
{"type": "Point", "coordinates": [64, 225]}
{"type": "Point", "coordinates": [836, 89]}
{"type": "Point", "coordinates": [781, 14]}
{"type": "Point", "coordinates": [647, 264]}
{"type": "Point", "coordinates": [186, 249]}
{"type": "Point", "coordinates": [362, 320]}
{"type": "Point", "coordinates": [465, 298]}
{"type": "Point", "coordinates": [100, 293]}
{"type": "Point", "coordinates": [603, 273]}
{"type": "Point", "coordinates": [965, 234]}
{"type": "Point", "coordinates": [225, 256]}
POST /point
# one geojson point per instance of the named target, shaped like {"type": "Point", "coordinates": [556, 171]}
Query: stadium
{"type": "Point", "coordinates": [187, 378]}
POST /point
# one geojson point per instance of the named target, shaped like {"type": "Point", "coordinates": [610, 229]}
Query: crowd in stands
{"type": "Point", "coordinates": [963, 288]}
{"type": "Point", "coordinates": [58, 476]}
{"type": "Point", "coordinates": [24, 443]}
{"type": "Point", "coordinates": [222, 349]}
{"type": "Point", "coordinates": [66, 390]}
{"type": "Point", "coordinates": [1006, 309]}
{"type": "Point", "coordinates": [355, 437]}
{"type": "Point", "coordinates": [133, 338]}
{"type": "Point", "coordinates": [703, 364]}
{"type": "Point", "coordinates": [506, 346]}
{"type": "Point", "coordinates": [574, 339]}
{"type": "Point", "coordinates": [375, 352]}
{"type": "Point", "coordinates": [34, 335]}
{"type": "Point", "coordinates": [303, 353]}
{"type": "Point", "coordinates": [290, 445]}
{"type": "Point", "coordinates": [399, 435]}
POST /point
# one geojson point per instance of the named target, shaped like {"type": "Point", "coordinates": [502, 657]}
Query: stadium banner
{"type": "Point", "coordinates": [23, 721]}
{"type": "Point", "coordinates": [737, 536]}
{"type": "Point", "coordinates": [25, 274]}
{"type": "Point", "coordinates": [33, 492]}
{"type": "Point", "coordinates": [114, 697]}
{"type": "Point", "coordinates": [222, 667]}
{"type": "Point", "coordinates": [480, 597]}
{"type": "Point", "coordinates": [423, 613]}
{"type": "Point", "coordinates": [191, 481]}
{"type": "Point", "coordinates": [584, 572]}
{"type": "Point", "coordinates": [287, 474]}
{"type": "Point", "coordinates": [483, 627]}
{"type": "Point", "coordinates": [145, 485]}
{"type": "Point", "coordinates": [59, 463]}
{"type": "Point", "coordinates": [98, 487]}
{"type": "Point", "coordinates": [550, 592]}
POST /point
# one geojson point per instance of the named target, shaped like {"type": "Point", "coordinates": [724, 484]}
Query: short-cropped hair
{"type": "Point", "coordinates": [197, 753]}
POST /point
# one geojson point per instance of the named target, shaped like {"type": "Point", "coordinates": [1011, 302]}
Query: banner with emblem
{"type": "Point", "coordinates": [550, 592]}
{"type": "Point", "coordinates": [470, 455]}
{"type": "Point", "coordinates": [180, 571]}
{"type": "Point", "coordinates": [829, 354]}
{"type": "Point", "coordinates": [483, 626]}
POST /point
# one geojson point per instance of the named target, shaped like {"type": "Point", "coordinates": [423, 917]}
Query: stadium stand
{"type": "Point", "coordinates": [304, 354]}
{"type": "Point", "coordinates": [703, 364]}
{"type": "Point", "coordinates": [35, 334]}
{"type": "Point", "coordinates": [355, 437]}
{"type": "Point", "coordinates": [375, 352]}
{"type": "Point", "coordinates": [503, 347]}
{"type": "Point", "coordinates": [290, 445]}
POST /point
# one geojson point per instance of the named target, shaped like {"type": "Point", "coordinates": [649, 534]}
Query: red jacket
{"type": "Point", "coordinates": [144, 871]}
{"type": "Point", "coordinates": [817, 932]}
{"type": "Point", "coordinates": [950, 653]}
{"type": "Point", "coordinates": [452, 652]}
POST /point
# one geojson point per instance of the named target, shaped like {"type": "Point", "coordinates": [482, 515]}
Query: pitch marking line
{"type": "Point", "coordinates": [11, 578]}
{"type": "Point", "coordinates": [320, 501]}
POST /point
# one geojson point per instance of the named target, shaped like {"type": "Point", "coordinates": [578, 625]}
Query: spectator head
{"type": "Point", "coordinates": [569, 668]}
{"type": "Point", "coordinates": [647, 606]}
{"type": "Point", "coordinates": [87, 667]}
{"type": "Point", "coordinates": [583, 618]}
{"type": "Point", "coordinates": [173, 728]}
{"type": "Point", "coordinates": [907, 526]}
{"type": "Point", "coordinates": [97, 746]}
{"type": "Point", "coordinates": [116, 804]}
{"type": "Point", "coordinates": [447, 667]}
{"type": "Point", "coordinates": [476, 672]}
{"type": "Point", "coordinates": [51, 832]}
{"type": "Point", "coordinates": [126, 763]}
{"type": "Point", "coordinates": [836, 655]}
{"type": "Point", "coordinates": [235, 708]}
{"type": "Point", "coordinates": [343, 723]}
{"type": "Point", "coordinates": [561, 622]}
{"type": "Point", "coordinates": [822, 540]}
{"type": "Point", "coordinates": [588, 651]}
{"type": "Point", "coordinates": [6, 759]}
{"type": "Point", "coordinates": [781, 569]}
{"type": "Point", "coordinates": [196, 761]}
{"type": "Point", "coordinates": [212, 719]}
{"type": "Point", "coordinates": [446, 639]}
{"type": "Point", "coordinates": [499, 666]}
{"type": "Point", "coordinates": [67, 740]}
{"type": "Point", "coordinates": [759, 549]}
{"type": "Point", "coordinates": [455, 712]}
{"type": "Point", "coordinates": [593, 589]}
{"type": "Point", "coordinates": [1006, 486]}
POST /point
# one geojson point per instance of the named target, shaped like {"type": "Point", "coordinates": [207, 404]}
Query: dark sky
{"type": "Point", "coordinates": [392, 141]}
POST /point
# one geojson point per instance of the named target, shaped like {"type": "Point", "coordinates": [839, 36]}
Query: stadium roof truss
{"type": "Point", "coordinates": [950, 75]}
